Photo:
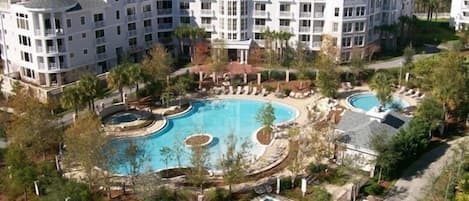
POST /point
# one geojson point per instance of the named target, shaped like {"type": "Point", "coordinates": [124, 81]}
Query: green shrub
{"type": "Point", "coordinates": [316, 168]}
{"type": "Point", "coordinates": [319, 194]}
{"type": "Point", "coordinates": [373, 188]}
{"type": "Point", "coordinates": [218, 194]}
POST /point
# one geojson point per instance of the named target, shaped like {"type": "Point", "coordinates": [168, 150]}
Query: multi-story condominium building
{"type": "Point", "coordinates": [48, 43]}
{"type": "Point", "coordinates": [459, 15]}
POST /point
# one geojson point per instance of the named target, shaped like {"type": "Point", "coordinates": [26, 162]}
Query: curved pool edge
{"type": "Point", "coordinates": [355, 109]}
{"type": "Point", "coordinates": [188, 109]}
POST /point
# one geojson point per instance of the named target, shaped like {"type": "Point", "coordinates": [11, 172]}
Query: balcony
{"type": "Point", "coordinates": [99, 24]}
{"type": "Point", "coordinates": [52, 66]}
{"type": "Point", "coordinates": [165, 40]}
{"type": "Point", "coordinates": [164, 11]}
{"type": "Point", "coordinates": [207, 12]}
{"type": "Point", "coordinates": [50, 32]}
{"type": "Point", "coordinates": [316, 44]}
{"type": "Point", "coordinates": [318, 29]}
{"type": "Point", "coordinates": [286, 29]}
{"type": "Point", "coordinates": [131, 1]}
{"type": "Point", "coordinates": [149, 44]}
{"type": "Point", "coordinates": [305, 14]}
{"type": "Point", "coordinates": [259, 27]}
{"type": "Point", "coordinates": [148, 29]}
{"type": "Point", "coordinates": [261, 13]}
{"type": "Point", "coordinates": [39, 49]}
{"type": "Point", "coordinates": [134, 48]}
{"type": "Point", "coordinates": [287, 14]}
{"type": "Point", "coordinates": [131, 18]}
{"type": "Point", "coordinates": [101, 56]}
{"type": "Point", "coordinates": [51, 49]}
{"type": "Point", "coordinates": [131, 33]}
{"type": "Point", "coordinates": [318, 14]}
{"type": "Point", "coordinates": [165, 26]}
{"type": "Point", "coordinates": [100, 40]}
{"type": "Point", "coordinates": [305, 29]}
{"type": "Point", "coordinates": [207, 26]}
{"type": "Point", "coordinates": [147, 14]}
{"type": "Point", "coordinates": [184, 12]}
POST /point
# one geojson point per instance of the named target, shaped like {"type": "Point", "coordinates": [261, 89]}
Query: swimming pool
{"type": "Point", "coordinates": [122, 117]}
{"type": "Point", "coordinates": [216, 117]}
{"type": "Point", "coordinates": [366, 101]}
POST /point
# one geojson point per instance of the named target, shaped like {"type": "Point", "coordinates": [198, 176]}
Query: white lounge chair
{"type": "Point", "coordinates": [410, 92]}
{"type": "Point", "coordinates": [246, 90]}
{"type": "Point", "coordinates": [239, 90]}
{"type": "Point", "coordinates": [401, 90]}
{"type": "Point", "coordinates": [254, 91]}
{"type": "Point", "coordinates": [231, 90]}
{"type": "Point", "coordinates": [416, 94]}
{"type": "Point", "coordinates": [264, 92]}
{"type": "Point", "coordinates": [349, 85]}
{"type": "Point", "coordinates": [292, 94]}
{"type": "Point", "coordinates": [420, 97]}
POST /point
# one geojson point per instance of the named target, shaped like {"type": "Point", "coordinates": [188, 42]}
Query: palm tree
{"type": "Point", "coordinates": [195, 33]}
{"type": "Point", "coordinates": [381, 84]}
{"type": "Point", "coordinates": [182, 33]}
{"type": "Point", "coordinates": [90, 89]}
{"type": "Point", "coordinates": [357, 63]}
{"type": "Point", "coordinates": [71, 98]}
{"type": "Point", "coordinates": [135, 75]}
{"type": "Point", "coordinates": [284, 37]}
{"type": "Point", "coordinates": [117, 79]}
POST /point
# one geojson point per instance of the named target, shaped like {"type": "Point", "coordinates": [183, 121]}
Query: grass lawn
{"type": "Point", "coordinates": [434, 32]}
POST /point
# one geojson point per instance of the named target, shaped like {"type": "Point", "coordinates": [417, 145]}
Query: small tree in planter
{"type": "Point", "coordinates": [266, 116]}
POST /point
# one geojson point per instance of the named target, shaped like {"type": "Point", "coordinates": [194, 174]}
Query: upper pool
{"type": "Point", "coordinates": [366, 101]}
{"type": "Point", "coordinates": [218, 118]}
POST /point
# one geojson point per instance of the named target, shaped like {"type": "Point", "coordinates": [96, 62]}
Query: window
{"type": "Point", "coordinates": [258, 21]}
{"type": "Point", "coordinates": [148, 38]}
{"type": "Point", "coordinates": [25, 56]}
{"type": "Point", "coordinates": [22, 21]}
{"type": "Point", "coordinates": [336, 12]}
{"type": "Point", "coordinates": [70, 38]}
{"type": "Point", "coordinates": [101, 49]}
{"type": "Point", "coordinates": [306, 7]}
{"type": "Point", "coordinates": [28, 72]}
{"type": "Point", "coordinates": [72, 55]}
{"type": "Point", "coordinates": [118, 15]}
{"type": "Point", "coordinates": [85, 51]}
{"type": "Point", "coordinates": [347, 27]}
{"type": "Point", "coordinates": [146, 8]}
{"type": "Point", "coordinates": [132, 42]}
{"type": "Point", "coordinates": [345, 56]}
{"type": "Point", "coordinates": [164, 4]}
{"type": "Point", "coordinates": [284, 22]}
{"type": "Point", "coordinates": [232, 8]}
{"type": "Point", "coordinates": [348, 12]}
{"type": "Point", "coordinates": [305, 23]}
{"type": "Point", "coordinates": [131, 26]}
{"type": "Point", "coordinates": [232, 24]}
{"type": "Point", "coordinates": [259, 6]}
{"type": "Point", "coordinates": [185, 20]}
{"type": "Point", "coordinates": [360, 11]}
{"type": "Point", "coordinates": [98, 17]}
{"type": "Point", "coordinates": [99, 33]}
{"type": "Point", "coordinates": [284, 7]}
{"type": "Point", "coordinates": [206, 20]}
{"type": "Point", "coordinates": [466, 3]}
{"type": "Point", "coordinates": [183, 5]}
{"type": "Point", "coordinates": [358, 40]}
{"type": "Point", "coordinates": [305, 38]}
{"type": "Point", "coordinates": [359, 26]}
{"type": "Point", "coordinates": [82, 20]}
{"type": "Point", "coordinates": [69, 23]}
{"type": "Point", "coordinates": [346, 42]}
{"type": "Point", "coordinates": [118, 30]}
{"type": "Point", "coordinates": [244, 5]}
{"type": "Point", "coordinates": [24, 40]}
{"type": "Point", "coordinates": [147, 23]}
{"type": "Point", "coordinates": [83, 35]}
{"type": "Point", "coordinates": [258, 36]}
{"type": "Point", "coordinates": [206, 5]}
{"type": "Point", "coordinates": [244, 24]}
{"type": "Point", "coordinates": [131, 11]}
{"type": "Point", "coordinates": [335, 27]}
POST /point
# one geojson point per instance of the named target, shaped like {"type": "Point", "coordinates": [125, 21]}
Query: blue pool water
{"type": "Point", "coordinates": [367, 101]}
{"type": "Point", "coordinates": [218, 118]}
{"type": "Point", "coordinates": [122, 118]}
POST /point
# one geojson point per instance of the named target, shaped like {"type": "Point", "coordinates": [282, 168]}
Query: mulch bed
{"type": "Point", "coordinates": [180, 109]}
{"type": "Point", "coordinates": [197, 140]}
{"type": "Point", "coordinates": [264, 136]}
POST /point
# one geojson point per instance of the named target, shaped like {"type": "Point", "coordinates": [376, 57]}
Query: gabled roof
{"type": "Point", "coordinates": [351, 119]}
{"type": "Point", "coordinates": [48, 4]}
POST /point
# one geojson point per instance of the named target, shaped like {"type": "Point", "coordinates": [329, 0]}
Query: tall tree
{"type": "Point", "coordinates": [219, 58]}
{"type": "Point", "coordinates": [199, 161]}
{"type": "Point", "coordinates": [430, 110]}
{"type": "Point", "coordinates": [90, 89]}
{"type": "Point", "coordinates": [357, 62]}
{"type": "Point", "coordinates": [118, 78]}
{"type": "Point", "coordinates": [157, 63]}
{"type": "Point", "coordinates": [233, 161]}
{"type": "Point", "coordinates": [135, 75]}
{"type": "Point", "coordinates": [408, 57]}
{"type": "Point", "coordinates": [71, 98]}
{"type": "Point", "coordinates": [381, 83]}
{"type": "Point", "coordinates": [266, 116]}
{"type": "Point", "coordinates": [182, 34]}
{"type": "Point", "coordinates": [135, 159]}
{"type": "Point", "coordinates": [87, 146]}
{"type": "Point", "coordinates": [302, 60]}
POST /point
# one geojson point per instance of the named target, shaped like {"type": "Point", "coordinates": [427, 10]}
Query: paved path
{"type": "Point", "coordinates": [394, 62]}
{"type": "Point", "coordinates": [411, 186]}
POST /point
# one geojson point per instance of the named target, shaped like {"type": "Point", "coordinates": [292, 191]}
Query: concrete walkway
{"type": "Point", "coordinates": [411, 186]}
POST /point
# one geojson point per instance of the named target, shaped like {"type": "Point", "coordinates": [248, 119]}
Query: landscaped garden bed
{"type": "Point", "coordinates": [264, 136]}
{"type": "Point", "coordinates": [177, 110]}
{"type": "Point", "coordinates": [198, 140]}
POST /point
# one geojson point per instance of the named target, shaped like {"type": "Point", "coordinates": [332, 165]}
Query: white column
{"type": "Point", "coordinates": [287, 76]}
{"type": "Point", "coordinates": [246, 56]}
{"type": "Point", "coordinates": [259, 78]}
{"type": "Point", "coordinates": [242, 56]}
{"type": "Point", "coordinates": [52, 22]}
{"type": "Point", "coordinates": [41, 23]}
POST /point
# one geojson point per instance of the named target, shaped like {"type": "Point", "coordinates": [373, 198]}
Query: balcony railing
{"type": "Point", "coordinates": [305, 14]}
{"type": "Point", "coordinates": [51, 49]}
{"type": "Point", "coordinates": [318, 14]}
{"type": "Point", "coordinates": [50, 32]}
{"type": "Point", "coordinates": [101, 56]}
{"type": "Point", "coordinates": [317, 44]}
{"type": "Point", "coordinates": [148, 29]}
{"type": "Point", "coordinates": [259, 27]}
{"type": "Point", "coordinates": [165, 26]}
{"type": "Point", "coordinates": [318, 29]}
{"type": "Point", "coordinates": [52, 66]}
{"type": "Point", "coordinates": [164, 11]}
{"type": "Point", "coordinates": [285, 14]}
{"type": "Point", "coordinates": [184, 12]}
{"type": "Point", "coordinates": [305, 29]}
{"type": "Point", "coordinates": [41, 66]}
{"type": "Point", "coordinates": [147, 14]}
{"type": "Point", "coordinates": [131, 33]}
{"type": "Point", "coordinates": [207, 26]}
{"type": "Point", "coordinates": [207, 12]}
{"type": "Point", "coordinates": [261, 13]}
{"type": "Point", "coordinates": [100, 40]}
{"type": "Point", "coordinates": [285, 28]}
{"type": "Point", "coordinates": [99, 24]}
{"type": "Point", "coordinates": [131, 18]}
{"type": "Point", "coordinates": [39, 49]}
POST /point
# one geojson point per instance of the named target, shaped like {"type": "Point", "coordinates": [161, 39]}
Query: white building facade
{"type": "Point", "coordinates": [459, 15]}
{"type": "Point", "coordinates": [50, 42]}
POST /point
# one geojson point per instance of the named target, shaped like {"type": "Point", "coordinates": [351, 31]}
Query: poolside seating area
{"type": "Point", "coordinates": [239, 90]}
{"type": "Point", "coordinates": [415, 94]}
